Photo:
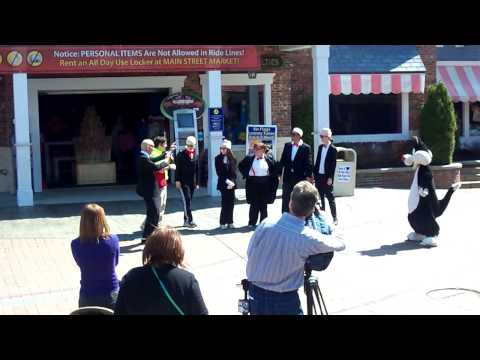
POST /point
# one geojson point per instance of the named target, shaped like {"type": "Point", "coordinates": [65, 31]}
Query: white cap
{"type": "Point", "coordinates": [227, 144]}
{"type": "Point", "coordinates": [297, 131]}
{"type": "Point", "coordinates": [191, 141]}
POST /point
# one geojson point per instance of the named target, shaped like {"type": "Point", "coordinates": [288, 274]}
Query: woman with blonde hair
{"type": "Point", "coordinates": [160, 287]}
{"type": "Point", "coordinates": [96, 252]}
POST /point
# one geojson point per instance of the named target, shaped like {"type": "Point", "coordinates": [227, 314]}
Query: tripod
{"type": "Point", "coordinates": [311, 287]}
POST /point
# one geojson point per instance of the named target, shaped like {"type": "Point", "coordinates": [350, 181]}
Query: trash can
{"type": "Point", "coordinates": [344, 181]}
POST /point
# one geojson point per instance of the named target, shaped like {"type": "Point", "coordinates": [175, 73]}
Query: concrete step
{"type": "Point", "coordinates": [470, 185]}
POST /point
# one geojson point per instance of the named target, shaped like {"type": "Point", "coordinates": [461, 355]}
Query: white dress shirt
{"type": "Point", "coordinates": [323, 155]}
{"type": "Point", "coordinates": [295, 149]}
{"type": "Point", "coordinates": [259, 167]}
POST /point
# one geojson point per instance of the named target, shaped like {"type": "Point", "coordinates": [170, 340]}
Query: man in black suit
{"type": "Point", "coordinates": [147, 186]}
{"type": "Point", "coordinates": [296, 163]}
{"type": "Point", "coordinates": [324, 171]}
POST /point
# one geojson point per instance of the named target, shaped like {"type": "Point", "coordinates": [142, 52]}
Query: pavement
{"type": "Point", "coordinates": [378, 273]}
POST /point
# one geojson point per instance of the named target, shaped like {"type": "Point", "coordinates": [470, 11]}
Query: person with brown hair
{"type": "Point", "coordinates": [160, 287]}
{"type": "Point", "coordinates": [261, 174]}
{"type": "Point", "coordinates": [226, 167]}
{"type": "Point", "coordinates": [96, 252]}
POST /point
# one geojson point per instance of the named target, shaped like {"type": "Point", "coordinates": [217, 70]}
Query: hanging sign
{"type": "Point", "coordinates": [127, 58]}
{"type": "Point", "coordinates": [180, 101]}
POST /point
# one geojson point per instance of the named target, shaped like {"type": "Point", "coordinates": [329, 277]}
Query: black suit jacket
{"type": "Point", "coordinates": [145, 176]}
{"type": "Point", "coordinates": [330, 162]}
{"type": "Point", "coordinates": [301, 165]}
{"type": "Point", "coordinates": [225, 172]}
{"type": "Point", "coordinates": [273, 168]}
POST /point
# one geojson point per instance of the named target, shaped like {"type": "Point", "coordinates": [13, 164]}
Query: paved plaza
{"type": "Point", "coordinates": [378, 273]}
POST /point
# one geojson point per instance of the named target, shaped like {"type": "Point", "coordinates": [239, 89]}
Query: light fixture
{"type": "Point", "coordinates": [252, 75]}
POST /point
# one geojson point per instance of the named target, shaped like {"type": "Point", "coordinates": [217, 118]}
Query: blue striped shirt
{"type": "Point", "coordinates": [279, 248]}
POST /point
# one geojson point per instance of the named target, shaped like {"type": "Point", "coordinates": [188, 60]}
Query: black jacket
{"type": "Point", "coordinates": [224, 172]}
{"type": "Point", "coordinates": [330, 162]}
{"type": "Point", "coordinates": [187, 169]}
{"type": "Point", "coordinates": [145, 178]}
{"type": "Point", "coordinates": [301, 165]}
{"type": "Point", "coordinates": [141, 293]}
{"type": "Point", "coordinates": [273, 168]}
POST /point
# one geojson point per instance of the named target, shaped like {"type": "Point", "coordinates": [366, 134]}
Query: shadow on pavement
{"type": "Point", "coordinates": [129, 237]}
{"type": "Point", "coordinates": [392, 249]}
{"type": "Point", "coordinates": [215, 231]}
{"type": "Point", "coordinates": [133, 248]}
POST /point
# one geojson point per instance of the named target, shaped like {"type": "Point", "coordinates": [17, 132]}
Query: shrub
{"type": "Point", "coordinates": [438, 124]}
{"type": "Point", "coordinates": [302, 117]}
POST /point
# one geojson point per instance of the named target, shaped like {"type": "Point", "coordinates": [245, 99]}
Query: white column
{"type": "Point", "coordinates": [405, 115]}
{"type": "Point", "coordinates": [253, 104]}
{"type": "Point", "coordinates": [33, 114]}
{"type": "Point", "coordinates": [215, 138]}
{"type": "Point", "coordinates": [466, 119]}
{"type": "Point", "coordinates": [267, 103]}
{"type": "Point", "coordinates": [321, 91]}
{"type": "Point", "coordinates": [22, 140]}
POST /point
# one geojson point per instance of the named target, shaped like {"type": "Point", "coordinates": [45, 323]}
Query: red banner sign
{"type": "Point", "coordinates": [124, 58]}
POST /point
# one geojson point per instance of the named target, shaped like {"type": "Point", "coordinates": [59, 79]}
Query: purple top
{"type": "Point", "coordinates": [97, 265]}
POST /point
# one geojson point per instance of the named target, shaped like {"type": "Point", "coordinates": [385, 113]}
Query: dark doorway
{"type": "Point", "coordinates": [128, 118]}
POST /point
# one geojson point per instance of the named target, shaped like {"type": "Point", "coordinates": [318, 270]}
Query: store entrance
{"type": "Point", "coordinates": [93, 138]}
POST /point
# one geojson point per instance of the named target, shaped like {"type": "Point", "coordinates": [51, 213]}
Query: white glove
{"type": "Point", "coordinates": [456, 186]}
{"type": "Point", "coordinates": [423, 192]}
{"type": "Point", "coordinates": [230, 184]}
{"type": "Point", "coordinates": [172, 167]}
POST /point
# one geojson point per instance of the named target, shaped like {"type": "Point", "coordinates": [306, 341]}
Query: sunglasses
{"type": "Point", "coordinates": [323, 136]}
{"type": "Point", "coordinates": [190, 146]}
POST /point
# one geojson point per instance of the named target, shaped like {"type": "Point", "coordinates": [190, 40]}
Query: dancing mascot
{"type": "Point", "coordinates": [423, 204]}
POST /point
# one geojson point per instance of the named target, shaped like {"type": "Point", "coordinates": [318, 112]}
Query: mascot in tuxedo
{"type": "Point", "coordinates": [423, 204]}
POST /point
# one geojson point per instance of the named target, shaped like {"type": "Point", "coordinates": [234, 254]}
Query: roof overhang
{"type": "Point", "coordinates": [293, 47]}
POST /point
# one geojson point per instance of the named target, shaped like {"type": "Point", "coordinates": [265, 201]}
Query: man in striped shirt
{"type": "Point", "coordinates": [277, 254]}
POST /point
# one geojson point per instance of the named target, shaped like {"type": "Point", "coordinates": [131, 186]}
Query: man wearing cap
{"type": "Point", "coordinates": [296, 163]}
{"type": "Point", "coordinates": [187, 178]}
{"type": "Point", "coordinates": [147, 186]}
{"type": "Point", "coordinates": [324, 171]}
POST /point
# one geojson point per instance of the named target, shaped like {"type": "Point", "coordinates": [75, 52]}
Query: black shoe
{"type": "Point", "coordinates": [143, 241]}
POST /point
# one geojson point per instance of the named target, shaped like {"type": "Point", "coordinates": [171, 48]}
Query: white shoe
{"type": "Point", "coordinates": [413, 236]}
{"type": "Point", "coordinates": [223, 227]}
{"type": "Point", "coordinates": [231, 226]}
{"type": "Point", "coordinates": [429, 242]}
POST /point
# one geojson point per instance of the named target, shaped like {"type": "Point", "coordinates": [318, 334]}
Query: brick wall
{"type": "Point", "coordinates": [428, 53]}
{"type": "Point", "coordinates": [6, 109]}
{"type": "Point", "coordinates": [281, 91]}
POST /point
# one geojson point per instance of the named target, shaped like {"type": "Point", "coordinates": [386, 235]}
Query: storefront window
{"type": "Point", "coordinates": [458, 107]}
{"type": "Point", "coordinates": [242, 105]}
{"type": "Point", "coordinates": [366, 114]}
{"type": "Point", "coordinates": [475, 119]}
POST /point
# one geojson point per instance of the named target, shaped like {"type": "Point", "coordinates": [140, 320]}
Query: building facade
{"type": "Point", "coordinates": [370, 95]}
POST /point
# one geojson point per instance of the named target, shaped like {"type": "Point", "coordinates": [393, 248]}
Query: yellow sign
{"type": "Point", "coordinates": [14, 58]}
{"type": "Point", "coordinates": [35, 58]}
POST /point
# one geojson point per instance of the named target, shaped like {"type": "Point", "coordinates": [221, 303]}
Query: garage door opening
{"type": "Point", "coordinates": [123, 119]}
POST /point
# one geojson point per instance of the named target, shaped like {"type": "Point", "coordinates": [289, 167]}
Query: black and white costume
{"type": "Point", "coordinates": [423, 204]}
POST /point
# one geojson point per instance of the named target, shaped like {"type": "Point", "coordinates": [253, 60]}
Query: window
{"type": "Point", "coordinates": [475, 119]}
{"type": "Point", "coordinates": [458, 107]}
{"type": "Point", "coordinates": [366, 114]}
{"type": "Point", "coordinates": [242, 105]}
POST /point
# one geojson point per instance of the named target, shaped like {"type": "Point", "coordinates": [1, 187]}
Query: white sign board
{"type": "Point", "coordinates": [344, 172]}
{"type": "Point", "coordinates": [261, 133]}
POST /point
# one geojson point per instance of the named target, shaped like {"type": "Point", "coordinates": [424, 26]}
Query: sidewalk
{"type": "Point", "coordinates": [378, 273]}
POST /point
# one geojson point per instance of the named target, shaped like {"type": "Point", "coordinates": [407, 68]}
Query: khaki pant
{"type": "Point", "coordinates": [160, 204]}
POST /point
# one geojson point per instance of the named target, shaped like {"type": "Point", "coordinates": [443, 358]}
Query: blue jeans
{"type": "Point", "coordinates": [265, 302]}
{"type": "Point", "coordinates": [106, 301]}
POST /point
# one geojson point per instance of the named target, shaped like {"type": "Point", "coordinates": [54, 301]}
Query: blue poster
{"type": "Point", "coordinates": [215, 119]}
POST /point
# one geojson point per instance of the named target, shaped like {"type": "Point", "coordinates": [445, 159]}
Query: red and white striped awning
{"type": "Point", "coordinates": [462, 82]}
{"type": "Point", "coordinates": [356, 84]}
